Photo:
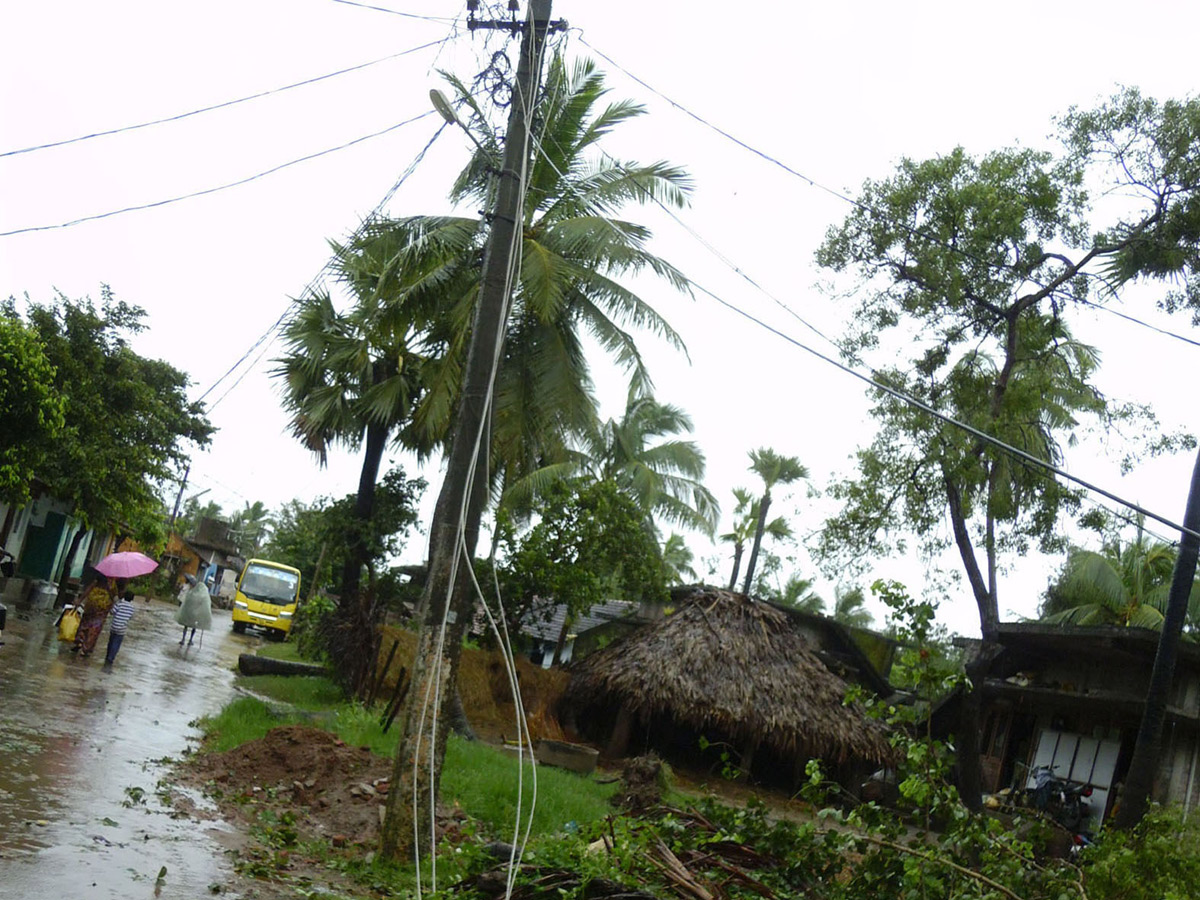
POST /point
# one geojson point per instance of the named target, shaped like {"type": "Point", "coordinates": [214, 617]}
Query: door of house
{"type": "Point", "coordinates": [993, 746]}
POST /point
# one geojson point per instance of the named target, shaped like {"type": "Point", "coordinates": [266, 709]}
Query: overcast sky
{"type": "Point", "coordinates": [837, 92]}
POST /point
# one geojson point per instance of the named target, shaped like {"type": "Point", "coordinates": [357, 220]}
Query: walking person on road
{"type": "Point", "coordinates": [195, 611]}
{"type": "Point", "coordinates": [97, 603]}
{"type": "Point", "coordinates": [121, 614]}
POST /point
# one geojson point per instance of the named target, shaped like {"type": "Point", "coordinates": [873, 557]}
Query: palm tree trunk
{"type": "Point", "coordinates": [1144, 765]}
{"type": "Point", "coordinates": [353, 618]}
{"type": "Point", "coordinates": [764, 506]}
{"type": "Point", "coordinates": [737, 564]}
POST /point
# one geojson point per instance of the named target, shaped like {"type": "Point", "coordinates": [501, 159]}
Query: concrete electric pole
{"type": "Point", "coordinates": [455, 527]}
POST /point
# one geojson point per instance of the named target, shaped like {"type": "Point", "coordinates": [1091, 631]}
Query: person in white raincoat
{"type": "Point", "coordinates": [195, 610]}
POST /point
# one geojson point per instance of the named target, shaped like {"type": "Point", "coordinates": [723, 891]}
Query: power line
{"type": "Point", "coordinates": [395, 12]}
{"type": "Point", "coordinates": [949, 420]}
{"type": "Point", "coordinates": [250, 368]}
{"type": "Point", "coordinates": [227, 103]}
{"type": "Point", "coordinates": [899, 395]}
{"type": "Point", "coordinates": [734, 267]}
{"type": "Point", "coordinates": [222, 187]}
{"type": "Point", "coordinates": [1137, 321]}
{"type": "Point", "coordinates": [857, 204]}
{"type": "Point", "coordinates": [370, 217]}
{"type": "Point", "coordinates": [242, 359]}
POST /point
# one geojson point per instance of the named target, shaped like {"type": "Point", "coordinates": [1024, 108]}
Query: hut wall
{"type": "Point", "coordinates": [1178, 777]}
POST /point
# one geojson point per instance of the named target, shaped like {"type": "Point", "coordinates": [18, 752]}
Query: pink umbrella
{"type": "Point", "coordinates": [129, 564]}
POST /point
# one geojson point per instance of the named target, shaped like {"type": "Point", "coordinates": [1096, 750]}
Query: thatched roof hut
{"type": "Point", "coordinates": [726, 664]}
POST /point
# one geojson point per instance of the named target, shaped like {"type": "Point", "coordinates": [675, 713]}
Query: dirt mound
{"type": "Point", "coordinates": [339, 789]}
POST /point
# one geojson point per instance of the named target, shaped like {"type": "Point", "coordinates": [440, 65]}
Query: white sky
{"type": "Point", "coordinates": [838, 92]}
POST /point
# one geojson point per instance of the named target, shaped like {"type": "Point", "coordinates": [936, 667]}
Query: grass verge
{"type": "Point", "coordinates": [281, 650]}
{"type": "Point", "coordinates": [482, 779]}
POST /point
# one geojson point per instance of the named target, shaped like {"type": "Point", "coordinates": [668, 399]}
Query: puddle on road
{"type": "Point", "coordinates": [82, 749]}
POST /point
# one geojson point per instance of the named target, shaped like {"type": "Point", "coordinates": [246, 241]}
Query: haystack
{"type": "Point", "coordinates": [729, 665]}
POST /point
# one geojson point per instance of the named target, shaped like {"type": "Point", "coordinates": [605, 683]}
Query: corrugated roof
{"type": "Point", "coordinates": [546, 621]}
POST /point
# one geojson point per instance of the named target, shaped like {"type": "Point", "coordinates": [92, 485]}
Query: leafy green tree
{"type": "Point", "coordinates": [967, 270]}
{"type": "Point", "coordinates": [1149, 152]}
{"type": "Point", "coordinates": [127, 419]}
{"type": "Point", "coordinates": [774, 470]}
{"type": "Point", "coordinates": [590, 545]}
{"type": "Point", "coordinates": [32, 412]}
{"type": "Point", "coordinates": [1146, 150]}
{"type": "Point", "coordinates": [980, 289]}
{"type": "Point", "coordinates": [309, 536]}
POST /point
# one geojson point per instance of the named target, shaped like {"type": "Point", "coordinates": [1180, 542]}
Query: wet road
{"type": "Point", "coordinates": [82, 752]}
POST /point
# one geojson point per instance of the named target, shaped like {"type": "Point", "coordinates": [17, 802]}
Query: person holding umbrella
{"type": "Point", "coordinates": [97, 602]}
{"type": "Point", "coordinates": [102, 592]}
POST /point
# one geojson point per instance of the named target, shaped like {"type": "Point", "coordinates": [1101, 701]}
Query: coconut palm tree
{"type": "Point", "coordinates": [798, 593]}
{"type": "Point", "coordinates": [677, 561]}
{"type": "Point", "coordinates": [1121, 585]}
{"type": "Point", "coordinates": [774, 470]}
{"type": "Point", "coordinates": [850, 608]}
{"type": "Point", "coordinates": [662, 476]}
{"type": "Point", "coordinates": [572, 253]}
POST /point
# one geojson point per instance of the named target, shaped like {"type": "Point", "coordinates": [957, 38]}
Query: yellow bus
{"type": "Point", "coordinates": [267, 594]}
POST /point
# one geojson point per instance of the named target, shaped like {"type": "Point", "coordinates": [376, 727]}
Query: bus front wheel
{"type": "Point", "coordinates": [239, 627]}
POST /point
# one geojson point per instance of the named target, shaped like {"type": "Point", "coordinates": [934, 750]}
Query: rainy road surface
{"type": "Point", "coordinates": [83, 749]}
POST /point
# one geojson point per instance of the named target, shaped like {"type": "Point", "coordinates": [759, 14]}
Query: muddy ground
{"type": "Point", "coordinates": [299, 785]}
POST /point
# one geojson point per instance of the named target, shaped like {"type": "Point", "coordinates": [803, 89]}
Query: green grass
{"type": "Point", "coordinates": [307, 692]}
{"type": "Point", "coordinates": [244, 719]}
{"type": "Point", "coordinates": [281, 650]}
{"type": "Point", "coordinates": [483, 780]}
{"type": "Point", "coordinates": [479, 777]}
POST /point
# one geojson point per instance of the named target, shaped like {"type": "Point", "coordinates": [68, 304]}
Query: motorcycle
{"type": "Point", "coordinates": [1064, 801]}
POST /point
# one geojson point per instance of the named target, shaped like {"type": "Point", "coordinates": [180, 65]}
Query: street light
{"type": "Point", "coordinates": [448, 112]}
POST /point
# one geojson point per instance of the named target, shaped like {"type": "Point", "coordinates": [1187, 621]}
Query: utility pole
{"type": "Point", "coordinates": [455, 527]}
{"type": "Point", "coordinates": [1144, 765]}
{"type": "Point", "coordinates": [179, 499]}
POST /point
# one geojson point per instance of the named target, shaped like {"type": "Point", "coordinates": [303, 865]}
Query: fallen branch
{"type": "Point", "coordinates": [963, 870]}
{"type": "Point", "coordinates": [677, 873]}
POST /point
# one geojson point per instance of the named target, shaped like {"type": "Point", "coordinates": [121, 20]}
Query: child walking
{"type": "Point", "coordinates": [121, 614]}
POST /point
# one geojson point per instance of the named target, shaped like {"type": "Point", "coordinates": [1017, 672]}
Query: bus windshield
{"type": "Point", "coordinates": [269, 584]}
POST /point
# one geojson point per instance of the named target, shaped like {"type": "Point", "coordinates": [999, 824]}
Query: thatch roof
{"type": "Point", "coordinates": [724, 662]}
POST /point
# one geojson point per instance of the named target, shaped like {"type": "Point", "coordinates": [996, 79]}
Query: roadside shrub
{"type": "Point", "coordinates": [311, 627]}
